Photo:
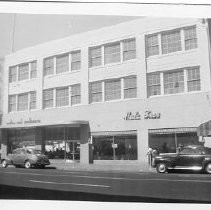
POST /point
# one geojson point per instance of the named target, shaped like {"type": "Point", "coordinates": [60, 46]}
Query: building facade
{"type": "Point", "coordinates": [110, 94]}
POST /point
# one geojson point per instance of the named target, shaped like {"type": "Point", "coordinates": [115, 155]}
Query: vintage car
{"type": "Point", "coordinates": [192, 157]}
{"type": "Point", "coordinates": [25, 157]}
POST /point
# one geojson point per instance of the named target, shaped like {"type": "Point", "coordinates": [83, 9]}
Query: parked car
{"type": "Point", "coordinates": [192, 157]}
{"type": "Point", "coordinates": [26, 158]}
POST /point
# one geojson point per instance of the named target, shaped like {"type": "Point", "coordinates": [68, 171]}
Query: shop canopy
{"type": "Point", "coordinates": [204, 129]}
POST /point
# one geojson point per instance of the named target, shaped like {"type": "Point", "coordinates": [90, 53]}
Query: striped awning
{"type": "Point", "coordinates": [204, 129]}
{"type": "Point", "coordinates": [173, 130]}
{"type": "Point", "coordinates": [114, 133]}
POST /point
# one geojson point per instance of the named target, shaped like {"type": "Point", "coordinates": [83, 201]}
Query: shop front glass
{"type": "Point", "coordinates": [63, 143]}
{"type": "Point", "coordinates": [121, 147]}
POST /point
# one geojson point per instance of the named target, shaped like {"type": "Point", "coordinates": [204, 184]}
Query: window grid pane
{"type": "Point", "coordinates": [174, 82]}
{"type": "Point", "coordinates": [112, 90]}
{"type": "Point", "coordinates": [76, 60]}
{"type": "Point", "coordinates": [48, 98]}
{"type": "Point", "coordinates": [23, 102]}
{"type": "Point", "coordinates": [152, 45]}
{"type": "Point", "coordinates": [75, 94]}
{"type": "Point", "coordinates": [153, 84]}
{"type": "Point", "coordinates": [194, 83]}
{"type": "Point", "coordinates": [190, 38]}
{"type": "Point", "coordinates": [95, 92]}
{"type": "Point", "coordinates": [23, 72]}
{"type": "Point", "coordinates": [62, 97]}
{"type": "Point", "coordinates": [171, 42]}
{"type": "Point", "coordinates": [33, 100]}
{"type": "Point", "coordinates": [95, 56]}
{"type": "Point", "coordinates": [12, 103]}
{"type": "Point", "coordinates": [34, 69]}
{"type": "Point", "coordinates": [129, 49]}
{"type": "Point", "coordinates": [48, 66]}
{"type": "Point", "coordinates": [62, 63]}
{"type": "Point", "coordinates": [12, 74]}
{"type": "Point", "coordinates": [130, 87]}
{"type": "Point", "coordinates": [112, 53]}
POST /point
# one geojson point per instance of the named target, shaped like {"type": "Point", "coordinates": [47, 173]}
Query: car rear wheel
{"type": "Point", "coordinates": [208, 168]}
{"type": "Point", "coordinates": [4, 164]}
{"type": "Point", "coordinates": [27, 164]}
{"type": "Point", "coordinates": [161, 168]}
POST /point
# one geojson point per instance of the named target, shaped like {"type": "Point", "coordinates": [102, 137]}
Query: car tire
{"type": "Point", "coordinates": [4, 163]}
{"type": "Point", "coordinates": [161, 168]}
{"type": "Point", "coordinates": [208, 168]}
{"type": "Point", "coordinates": [27, 164]}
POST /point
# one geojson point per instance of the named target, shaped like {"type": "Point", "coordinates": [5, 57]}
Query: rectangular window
{"type": "Point", "coordinates": [23, 102]}
{"type": "Point", "coordinates": [174, 82]}
{"type": "Point", "coordinates": [130, 87]}
{"type": "Point", "coordinates": [95, 56]}
{"type": "Point", "coordinates": [129, 49]}
{"type": "Point", "coordinates": [153, 84]}
{"type": "Point", "coordinates": [76, 60]}
{"type": "Point", "coordinates": [193, 76]}
{"type": "Point", "coordinates": [62, 97]}
{"type": "Point", "coordinates": [23, 72]}
{"type": "Point", "coordinates": [12, 103]}
{"type": "Point", "coordinates": [12, 74]}
{"type": "Point", "coordinates": [113, 90]}
{"type": "Point", "coordinates": [76, 94]}
{"type": "Point", "coordinates": [48, 98]}
{"type": "Point", "coordinates": [33, 69]}
{"type": "Point", "coordinates": [48, 66]}
{"type": "Point", "coordinates": [95, 92]}
{"type": "Point", "coordinates": [62, 63]}
{"type": "Point", "coordinates": [152, 45]}
{"type": "Point", "coordinates": [190, 38]}
{"type": "Point", "coordinates": [112, 53]}
{"type": "Point", "coordinates": [171, 42]}
{"type": "Point", "coordinates": [33, 100]}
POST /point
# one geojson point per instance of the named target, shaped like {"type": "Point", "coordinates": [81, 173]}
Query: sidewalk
{"type": "Point", "coordinates": [76, 166]}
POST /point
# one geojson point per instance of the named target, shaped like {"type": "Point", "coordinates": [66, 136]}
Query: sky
{"type": "Point", "coordinates": [32, 29]}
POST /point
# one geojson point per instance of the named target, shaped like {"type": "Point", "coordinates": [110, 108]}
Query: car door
{"type": "Point", "coordinates": [19, 156]}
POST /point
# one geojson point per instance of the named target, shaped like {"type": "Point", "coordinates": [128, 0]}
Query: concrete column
{"type": "Point", "coordinates": [85, 147]}
{"type": "Point", "coordinates": [142, 140]}
{"type": "Point", "coordinates": [4, 143]}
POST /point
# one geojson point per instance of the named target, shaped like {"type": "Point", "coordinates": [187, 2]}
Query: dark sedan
{"type": "Point", "coordinates": [26, 158]}
{"type": "Point", "coordinates": [192, 157]}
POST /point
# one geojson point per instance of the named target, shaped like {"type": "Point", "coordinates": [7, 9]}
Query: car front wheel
{"type": "Point", "coordinates": [208, 168]}
{"type": "Point", "coordinates": [4, 164]}
{"type": "Point", "coordinates": [161, 168]}
{"type": "Point", "coordinates": [27, 164]}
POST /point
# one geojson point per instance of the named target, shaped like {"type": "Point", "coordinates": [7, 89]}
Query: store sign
{"type": "Point", "coordinates": [137, 116]}
{"type": "Point", "coordinates": [21, 121]}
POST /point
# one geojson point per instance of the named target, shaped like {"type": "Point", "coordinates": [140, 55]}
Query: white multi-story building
{"type": "Point", "coordinates": [111, 93]}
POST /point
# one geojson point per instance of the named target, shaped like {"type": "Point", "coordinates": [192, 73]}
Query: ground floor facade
{"type": "Point", "coordinates": [117, 131]}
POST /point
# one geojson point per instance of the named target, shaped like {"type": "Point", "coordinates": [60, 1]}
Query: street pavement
{"type": "Point", "coordinates": [113, 185]}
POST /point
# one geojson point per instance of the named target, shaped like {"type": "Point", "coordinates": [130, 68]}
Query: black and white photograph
{"type": "Point", "coordinates": [106, 102]}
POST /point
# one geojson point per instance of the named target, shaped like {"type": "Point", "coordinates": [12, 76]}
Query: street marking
{"type": "Point", "coordinates": [114, 178]}
{"type": "Point", "coordinates": [69, 183]}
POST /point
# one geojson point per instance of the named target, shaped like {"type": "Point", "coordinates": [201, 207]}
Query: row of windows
{"type": "Point", "coordinates": [23, 71]}
{"type": "Point", "coordinates": [113, 89]}
{"type": "Point", "coordinates": [22, 102]}
{"type": "Point", "coordinates": [62, 63]}
{"type": "Point", "coordinates": [177, 81]}
{"type": "Point", "coordinates": [64, 96]}
{"type": "Point", "coordinates": [112, 52]}
{"type": "Point", "coordinates": [171, 41]}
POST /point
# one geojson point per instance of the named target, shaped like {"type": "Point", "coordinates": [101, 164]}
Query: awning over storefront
{"type": "Point", "coordinates": [114, 133]}
{"type": "Point", "coordinates": [204, 129]}
{"type": "Point", "coordinates": [173, 130]}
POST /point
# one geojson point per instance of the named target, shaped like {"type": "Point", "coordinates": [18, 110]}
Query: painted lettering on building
{"type": "Point", "coordinates": [21, 121]}
{"type": "Point", "coordinates": [137, 116]}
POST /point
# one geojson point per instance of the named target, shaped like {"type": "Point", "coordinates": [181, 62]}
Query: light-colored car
{"type": "Point", "coordinates": [25, 157]}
